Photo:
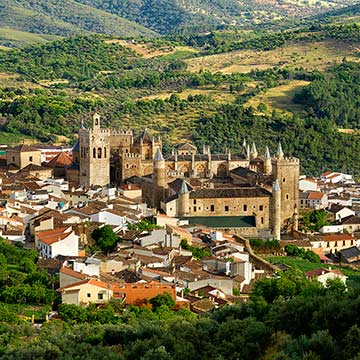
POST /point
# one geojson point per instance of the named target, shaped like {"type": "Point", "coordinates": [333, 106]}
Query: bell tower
{"type": "Point", "coordinates": [94, 154]}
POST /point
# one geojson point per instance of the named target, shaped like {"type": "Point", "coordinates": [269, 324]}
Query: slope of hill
{"type": "Point", "coordinates": [215, 99]}
{"type": "Point", "coordinates": [166, 16]}
{"type": "Point", "coordinates": [64, 18]}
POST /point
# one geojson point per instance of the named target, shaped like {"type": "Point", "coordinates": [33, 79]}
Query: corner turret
{"type": "Point", "coordinates": [267, 162]}
{"type": "Point", "coordinates": [276, 210]}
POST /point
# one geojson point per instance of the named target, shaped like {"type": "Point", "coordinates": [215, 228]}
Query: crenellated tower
{"type": "Point", "coordinates": [286, 171]}
{"type": "Point", "coordinates": [94, 149]}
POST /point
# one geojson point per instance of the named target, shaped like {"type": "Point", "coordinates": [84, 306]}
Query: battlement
{"type": "Point", "coordinates": [131, 156]}
{"type": "Point", "coordinates": [99, 131]}
{"type": "Point", "coordinates": [287, 160]}
{"type": "Point", "coordinates": [175, 173]}
{"type": "Point", "coordinates": [121, 132]}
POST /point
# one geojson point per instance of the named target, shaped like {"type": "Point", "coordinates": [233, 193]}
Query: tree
{"type": "Point", "coordinates": [162, 299]}
{"type": "Point", "coordinates": [105, 238]}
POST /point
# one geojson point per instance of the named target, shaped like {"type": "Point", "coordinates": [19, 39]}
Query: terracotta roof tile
{"type": "Point", "coordinates": [73, 273]}
{"type": "Point", "coordinates": [62, 159]}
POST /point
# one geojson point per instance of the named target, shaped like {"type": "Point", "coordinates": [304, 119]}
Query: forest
{"type": "Point", "coordinates": [287, 317]}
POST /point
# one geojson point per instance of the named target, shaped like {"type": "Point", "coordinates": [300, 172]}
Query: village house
{"type": "Point", "coordinates": [61, 241]}
{"type": "Point", "coordinates": [323, 275]}
{"type": "Point", "coordinates": [350, 255]}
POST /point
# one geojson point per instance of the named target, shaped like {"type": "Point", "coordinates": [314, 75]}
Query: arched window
{"type": "Point", "coordinates": [94, 153]}
{"type": "Point", "coordinates": [105, 152]}
{"type": "Point", "coordinates": [99, 153]}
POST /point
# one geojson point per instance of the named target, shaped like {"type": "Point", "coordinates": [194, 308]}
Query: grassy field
{"type": "Point", "coordinates": [148, 50]}
{"type": "Point", "coordinates": [280, 97]}
{"type": "Point", "coordinates": [305, 265]}
{"type": "Point", "coordinates": [220, 94]}
{"type": "Point", "coordinates": [23, 37]}
{"type": "Point", "coordinates": [315, 55]}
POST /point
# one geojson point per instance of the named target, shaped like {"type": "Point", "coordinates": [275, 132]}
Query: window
{"type": "Point", "coordinates": [262, 220]}
{"type": "Point", "coordinates": [100, 296]}
{"type": "Point", "coordinates": [99, 153]}
{"type": "Point", "coordinates": [261, 207]}
{"type": "Point", "coordinates": [344, 243]}
{"type": "Point", "coordinates": [284, 180]}
{"type": "Point", "coordinates": [88, 295]}
{"type": "Point", "coordinates": [30, 158]}
{"type": "Point", "coordinates": [226, 208]}
{"type": "Point", "coordinates": [194, 201]}
{"type": "Point", "coordinates": [335, 243]}
{"type": "Point", "coordinates": [13, 158]}
{"type": "Point", "coordinates": [287, 196]}
{"type": "Point", "coordinates": [245, 207]}
{"type": "Point", "coordinates": [94, 153]}
{"type": "Point", "coordinates": [194, 208]}
{"type": "Point", "coordinates": [212, 208]}
{"type": "Point", "coordinates": [104, 152]}
{"type": "Point", "coordinates": [327, 244]}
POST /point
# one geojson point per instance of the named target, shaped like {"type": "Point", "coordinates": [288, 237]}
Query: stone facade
{"type": "Point", "coordinates": [94, 155]}
{"type": "Point", "coordinates": [23, 155]}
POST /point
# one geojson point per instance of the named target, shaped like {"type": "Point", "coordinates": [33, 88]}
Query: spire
{"type": "Point", "coordinates": [244, 143]}
{"type": "Point", "coordinates": [184, 188]}
{"type": "Point", "coordinates": [158, 156]}
{"type": "Point", "coordinates": [82, 124]}
{"type": "Point", "coordinates": [248, 151]}
{"type": "Point", "coordinates": [253, 148]}
{"type": "Point", "coordinates": [280, 153]}
{"type": "Point", "coordinates": [276, 186]}
{"type": "Point", "coordinates": [267, 153]}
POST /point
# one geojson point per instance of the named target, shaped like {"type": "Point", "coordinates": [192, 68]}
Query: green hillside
{"type": "Point", "coordinates": [64, 18]}
{"type": "Point", "coordinates": [12, 38]}
{"type": "Point", "coordinates": [166, 16]}
{"type": "Point", "coordinates": [214, 89]}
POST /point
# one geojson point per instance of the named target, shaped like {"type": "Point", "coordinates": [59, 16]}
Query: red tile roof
{"type": "Point", "coordinates": [73, 273]}
{"type": "Point", "coordinates": [314, 195]}
{"type": "Point", "coordinates": [90, 282]}
{"type": "Point", "coordinates": [62, 159]}
{"type": "Point", "coordinates": [322, 271]}
{"type": "Point", "coordinates": [49, 240]}
{"type": "Point", "coordinates": [337, 237]}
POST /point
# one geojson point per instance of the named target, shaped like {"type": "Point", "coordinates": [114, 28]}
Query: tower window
{"type": "Point", "coordinates": [245, 207]}
{"type": "Point", "coordinates": [105, 152]}
{"type": "Point", "coordinates": [261, 207]}
{"type": "Point", "coordinates": [194, 201]}
{"type": "Point", "coordinates": [284, 180]}
{"type": "Point", "coordinates": [94, 153]}
{"type": "Point", "coordinates": [30, 158]}
{"type": "Point", "coordinates": [226, 208]}
{"type": "Point", "coordinates": [99, 153]}
{"type": "Point", "coordinates": [194, 208]}
{"type": "Point", "coordinates": [287, 196]}
{"type": "Point", "coordinates": [262, 220]}
{"type": "Point", "coordinates": [212, 208]}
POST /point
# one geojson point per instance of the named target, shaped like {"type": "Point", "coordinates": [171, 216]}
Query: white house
{"type": "Point", "coordinates": [332, 229]}
{"type": "Point", "coordinates": [308, 184]}
{"type": "Point", "coordinates": [89, 266]}
{"type": "Point", "coordinates": [340, 212]}
{"type": "Point", "coordinates": [56, 242]}
{"type": "Point", "coordinates": [109, 217]}
{"type": "Point", "coordinates": [323, 275]}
